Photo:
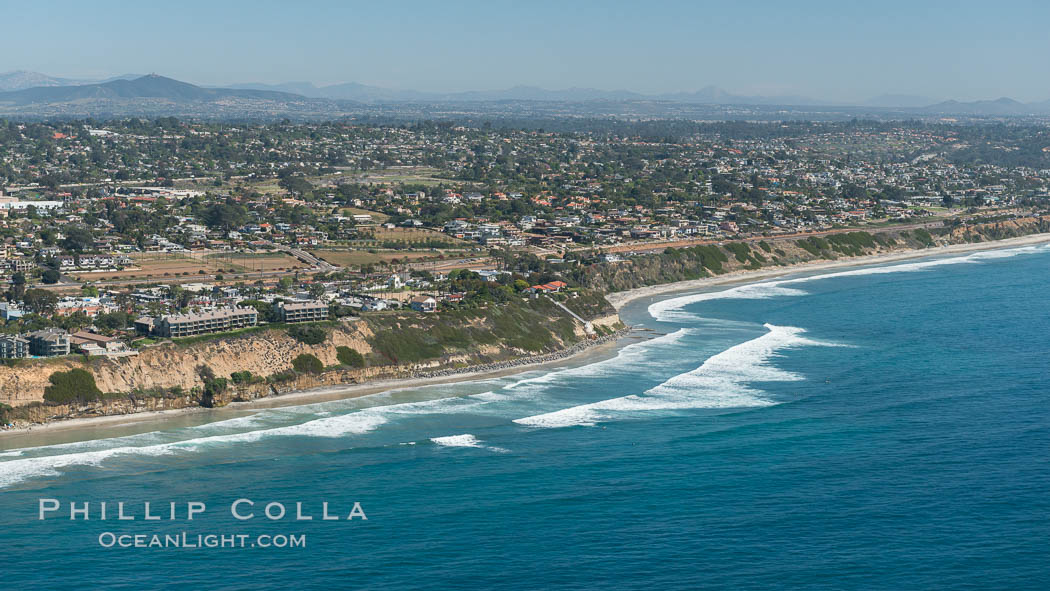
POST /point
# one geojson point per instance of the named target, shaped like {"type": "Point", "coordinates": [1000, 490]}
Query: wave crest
{"type": "Point", "coordinates": [723, 381]}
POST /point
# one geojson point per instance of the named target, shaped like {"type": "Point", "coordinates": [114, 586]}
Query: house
{"type": "Point", "coordinates": [552, 287]}
{"type": "Point", "coordinates": [21, 264]}
{"type": "Point", "coordinates": [374, 305]}
{"type": "Point", "coordinates": [90, 342]}
{"type": "Point", "coordinates": [492, 275]}
{"type": "Point", "coordinates": [423, 304]}
{"type": "Point", "coordinates": [10, 311]}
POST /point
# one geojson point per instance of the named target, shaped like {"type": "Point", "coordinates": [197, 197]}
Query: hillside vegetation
{"type": "Point", "coordinates": [695, 262]}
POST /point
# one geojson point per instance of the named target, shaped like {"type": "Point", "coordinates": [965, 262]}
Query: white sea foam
{"type": "Point", "coordinates": [671, 310]}
{"type": "Point", "coordinates": [464, 440]}
{"type": "Point", "coordinates": [723, 381]}
{"type": "Point", "coordinates": [89, 445]}
{"type": "Point", "coordinates": [14, 471]}
{"type": "Point", "coordinates": [627, 357]}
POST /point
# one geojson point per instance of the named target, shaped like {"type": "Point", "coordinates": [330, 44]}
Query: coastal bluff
{"type": "Point", "coordinates": [173, 375]}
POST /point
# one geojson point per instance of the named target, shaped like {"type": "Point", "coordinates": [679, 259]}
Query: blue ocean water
{"type": "Point", "coordinates": [874, 428]}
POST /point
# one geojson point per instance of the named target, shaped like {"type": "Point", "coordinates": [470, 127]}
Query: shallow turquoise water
{"type": "Point", "coordinates": [877, 428]}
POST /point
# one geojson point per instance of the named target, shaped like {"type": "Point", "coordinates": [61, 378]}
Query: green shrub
{"type": "Point", "coordinates": [307, 363]}
{"type": "Point", "coordinates": [241, 377]}
{"type": "Point", "coordinates": [740, 250]}
{"type": "Point", "coordinates": [73, 385]}
{"type": "Point", "coordinates": [924, 237]}
{"type": "Point", "coordinates": [308, 334]}
{"type": "Point", "coordinates": [349, 357]}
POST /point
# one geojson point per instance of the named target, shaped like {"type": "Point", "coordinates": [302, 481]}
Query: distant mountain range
{"type": "Point", "coordinates": [152, 86]}
{"type": "Point", "coordinates": [26, 92]}
{"type": "Point", "coordinates": [708, 95]}
{"type": "Point", "coordinates": [374, 94]}
{"type": "Point", "coordinates": [998, 107]}
{"type": "Point", "coordinates": [23, 79]}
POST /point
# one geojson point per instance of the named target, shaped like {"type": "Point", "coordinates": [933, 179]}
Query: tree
{"type": "Point", "coordinates": [225, 215]}
{"type": "Point", "coordinates": [50, 276]}
{"type": "Point", "coordinates": [265, 309]}
{"type": "Point", "coordinates": [113, 320]}
{"type": "Point", "coordinates": [296, 184]}
{"type": "Point", "coordinates": [77, 238]}
{"type": "Point", "coordinates": [40, 301]}
{"type": "Point", "coordinates": [307, 363]}
{"type": "Point", "coordinates": [18, 284]}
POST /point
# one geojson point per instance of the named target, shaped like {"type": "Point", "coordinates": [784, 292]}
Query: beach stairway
{"type": "Point", "coordinates": [587, 326]}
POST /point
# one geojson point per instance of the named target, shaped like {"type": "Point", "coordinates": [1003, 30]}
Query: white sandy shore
{"type": "Point", "coordinates": [325, 394]}
{"type": "Point", "coordinates": [617, 299]}
{"type": "Point", "coordinates": [621, 298]}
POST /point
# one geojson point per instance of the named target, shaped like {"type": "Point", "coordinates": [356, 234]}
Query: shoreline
{"type": "Point", "coordinates": [343, 391]}
{"type": "Point", "coordinates": [522, 364]}
{"type": "Point", "coordinates": [619, 299]}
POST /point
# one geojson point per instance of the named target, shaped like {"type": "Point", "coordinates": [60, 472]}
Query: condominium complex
{"type": "Point", "coordinates": [219, 320]}
{"type": "Point", "coordinates": [13, 347]}
{"type": "Point", "coordinates": [48, 343]}
{"type": "Point", "coordinates": [308, 311]}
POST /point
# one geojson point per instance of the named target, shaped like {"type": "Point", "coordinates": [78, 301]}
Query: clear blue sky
{"type": "Point", "coordinates": [840, 50]}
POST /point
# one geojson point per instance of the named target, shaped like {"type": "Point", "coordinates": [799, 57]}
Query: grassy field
{"type": "Point", "coordinates": [159, 266]}
{"type": "Point", "coordinates": [363, 257]}
{"type": "Point", "coordinates": [155, 266]}
{"type": "Point", "coordinates": [377, 217]}
{"type": "Point", "coordinates": [255, 262]}
{"type": "Point", "coordinates": [410, 236]}
{"type": "Point", "coordinates": [415, 175]}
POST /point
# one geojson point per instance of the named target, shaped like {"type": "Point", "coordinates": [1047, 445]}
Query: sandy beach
{"type": "Point", "coordinates": [617, 299]}
{"type": "Point", "coordinates": [621, 298]}
{"type": "Point", "coordinates": [311, 396]}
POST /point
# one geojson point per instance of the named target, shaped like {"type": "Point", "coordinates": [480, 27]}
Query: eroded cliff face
{"type": "Point", "coordinates": [147, 379]}
{"type": "Point", "coordinates": [169, 365]}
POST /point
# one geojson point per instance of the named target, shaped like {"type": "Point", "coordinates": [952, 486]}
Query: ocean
{"type": "Point", "coordinates": [881, 427]}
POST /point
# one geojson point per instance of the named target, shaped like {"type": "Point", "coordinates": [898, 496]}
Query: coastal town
{"type": "Point", "coordinates": [121, 234]}
{"type": "Point", "coordinates": [524, 296]}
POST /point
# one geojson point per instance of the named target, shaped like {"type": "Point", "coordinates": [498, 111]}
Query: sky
{"type": "Point", "coordinates": [841, 50]}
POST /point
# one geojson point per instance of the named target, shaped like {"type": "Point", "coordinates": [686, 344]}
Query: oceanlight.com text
{"type": "Point", "coordinates": [188, 541]}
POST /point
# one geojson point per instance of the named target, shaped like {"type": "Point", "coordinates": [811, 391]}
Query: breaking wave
{"type": "Point", "coordinates": [626, 357]}
{"type": "Point", "coordinates": [723, 381]}
{"type": "Point", "coordinates": [671, 310]}
{"type": "Point", "coordinates": [464, 440]}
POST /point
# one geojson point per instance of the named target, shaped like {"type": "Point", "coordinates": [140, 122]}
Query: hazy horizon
{"type": "Point", "coordinates": [814, 48]}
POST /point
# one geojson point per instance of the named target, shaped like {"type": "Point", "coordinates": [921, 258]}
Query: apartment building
{"type": "Point", "coordinates": [219, 320]}
{"type": "Point", "coordinates": [308, 311]}
{"type": "Point", "coordinates": [48, 342]}
{"type": "Point", "coordinates": [13, 347]}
